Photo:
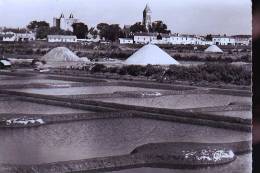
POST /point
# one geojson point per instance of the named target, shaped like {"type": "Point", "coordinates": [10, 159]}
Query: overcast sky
{"type": "Point", "coordinates": [181, 16]}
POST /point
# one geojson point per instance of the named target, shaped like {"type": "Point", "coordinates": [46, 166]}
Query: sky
{"type": "Point", "coordinates": [181, 16]}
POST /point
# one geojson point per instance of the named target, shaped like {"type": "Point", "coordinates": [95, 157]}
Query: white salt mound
{"type": "Point", "coordinates": [151, 54]}
{"type": "Point", "coordinates": [62, 57]}
{"type": "Point", "coordinates": [214, 49]}
{"type": "Point", "coordinates": [85, 59]}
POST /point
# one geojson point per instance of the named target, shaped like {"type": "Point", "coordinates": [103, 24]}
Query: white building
{"type": "Point", "coordinates": [177, 39]}
{"type": "Point", "coordinates": [183, 39]}
{"type": "Point", "coordinates": [162, 39]}
{"type": "Point", "coordinates": [245, 40]}
{"type": "Point", "coordinates": [145, 38]}
{"type": "Point", "coordinates": [9, 37]}
{"type": "Point", "coordinates": [65, 23]}
{"type": "Point", "coordinates": [13, 37]}
{"type": "Point", "coordinates": [62, 38]}
{"type": "Point", "coordinates": [126, 41]}
{"type": "Point", "coordinates": [25, 37]}
{"type": "Point", "coordinates": [223, 40]}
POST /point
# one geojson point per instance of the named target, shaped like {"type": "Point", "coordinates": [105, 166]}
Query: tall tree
{"type": "Point", "coordinates": [209, 37]}
{"type": "Point", "coordinates": [33, 25]}
{"type": "Point", "coordinates": [42, 28]}
{"type": "Point", "coordinates": [57, 31]}
{"type": "Point", "coordinates": [138, 27]}
{"type": "Point", "coordinates": [102, 26]}
{"type": "Point", "coordinates": [42, 32]}
{"type": "Point", "coordinates": [80, 30]}
{"type": "Point", "coordinates": [114, 32]}
{"type": "Point", "coordinates": [109, 32]}
{"type": "Point", "coordinates": [103, 29]}
{"type": "Point", "coordinates": [159, 27]}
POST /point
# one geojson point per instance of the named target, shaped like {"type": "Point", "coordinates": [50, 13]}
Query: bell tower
{"type": "Point", "coordinates": [147, 16]}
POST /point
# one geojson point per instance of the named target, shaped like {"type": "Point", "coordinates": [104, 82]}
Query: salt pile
{"type": "Point", "coordinates": [62, 57]}
{"type": "Point", "coordinates": [151, 54]}
{"type": "Point", "coordinates": [210, 155]}
{"type": "Point", "coordinates": [214, 49]}
{"type": "Point", "coordinates": [24, 121]}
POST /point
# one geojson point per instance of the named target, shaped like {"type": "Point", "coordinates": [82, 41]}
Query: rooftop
{"type": "Point", "coordinates": [62, 36]}
{"type": "Point", "coordinates": [147, 8]}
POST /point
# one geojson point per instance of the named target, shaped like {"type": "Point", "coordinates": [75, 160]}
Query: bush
{"type": "Point", "coordinates": [135, 70]}
{"type": "Point", "coordinates": [98, 68]}
{"type": "Point", "coordinates": [246, 58]}
{"type": "Point", "coordinates": [152, 70]}
{"type": "Point", "coordinates": [123, 71]}
{"type": "Point", "coordinates": [113, 69]}
{"type": "Point", "coordinates": [210, 72]}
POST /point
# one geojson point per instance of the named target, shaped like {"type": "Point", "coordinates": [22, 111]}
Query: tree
{"type": "Point", "coordinates": [159, 27]}
{"type": "Point", "coordinates": [57, 31]}
{"type": "Point", "coordinates": [109, 32]}
{"type": "Point", "coordinates": [114, 32]}
{"type": "Point", "coordinates": [138, 27]}
{"type": "Point", "coordinates": [93, 32]}
{"type": "Point", "coordinates": [80, 30]}
{"type": "Point", "coordinates": [34, 25]}
{"type": "Point", "coordinates": [42, 32]}
{"type": "Point", "coordinates": [209, 37]}
{"type": "Point", "coordinates": [103, 29]}
{"type": "Point", "coordinates": [102, 26]}
{"type": "Point", "coordinates": [42, 28]}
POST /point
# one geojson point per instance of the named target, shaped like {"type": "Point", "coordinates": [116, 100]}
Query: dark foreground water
{"type": "Point", "coordinates": [180, 101]}
{"type": "Point", "coordinates": [241, 165]}
{"type": "Point", "coordinates": [99, 138]}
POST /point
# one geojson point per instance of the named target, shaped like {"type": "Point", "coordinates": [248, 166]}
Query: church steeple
{"type": "Point", "coordinates": [147, 16]}
{"type": "Point", "coordinates": [62, 16]}
{"type": "Point", "coordinates": [147, 8]}
{"type": "Point", "coordinates": [71, 16]}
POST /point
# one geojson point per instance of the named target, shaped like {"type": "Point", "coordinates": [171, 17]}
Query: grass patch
{"type": "Point", "coordinates": [209, 72]}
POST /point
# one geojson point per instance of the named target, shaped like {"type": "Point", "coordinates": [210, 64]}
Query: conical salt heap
{"type": "Point", "coordinates": [151, 54]}
{"type": "Point", "coordinates": [62, 57]}
{"type": "Point", "coordinates": [214, 49]}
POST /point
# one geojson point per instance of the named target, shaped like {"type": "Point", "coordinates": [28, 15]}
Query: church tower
{"type": "Point", "coordinates": [147, 16]}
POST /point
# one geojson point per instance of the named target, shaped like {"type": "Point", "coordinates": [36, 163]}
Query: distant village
{"type": "Point", "coordinates": [72, 30]}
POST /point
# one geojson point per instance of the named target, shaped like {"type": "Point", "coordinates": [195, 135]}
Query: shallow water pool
{"type": "Point", "coordinates": [100, 138]}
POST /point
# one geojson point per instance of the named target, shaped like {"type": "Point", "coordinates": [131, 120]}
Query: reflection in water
{"type": "Point", "coordinates": [21, 107]}
{"type": "Point", "coordinates": [180, 101]}
{"type": "Point", "coordinates": [84, 90]}
{"type": "Point", "coordinates": [33, 81]}
{"type": "Point", "coordinates": [99, 138]}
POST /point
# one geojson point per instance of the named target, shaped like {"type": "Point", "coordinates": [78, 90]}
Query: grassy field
{"type": "Point", "coordinates": [94, 51]}
{"type": "Point", "coordinates": [217, 73]}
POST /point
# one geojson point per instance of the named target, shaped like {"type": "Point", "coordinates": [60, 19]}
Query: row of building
{"type": "Point", "coordinates": [65, 23]}
{"type": "Point", "coordinates": [17, 37]}
{"type": "Point", "coordinates": [140, 38]}
{"type": "Point", "coordinates": [177, 39]}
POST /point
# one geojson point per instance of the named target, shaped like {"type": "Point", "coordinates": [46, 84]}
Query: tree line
{"type": "Point", "coordinates": [109, 32]}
